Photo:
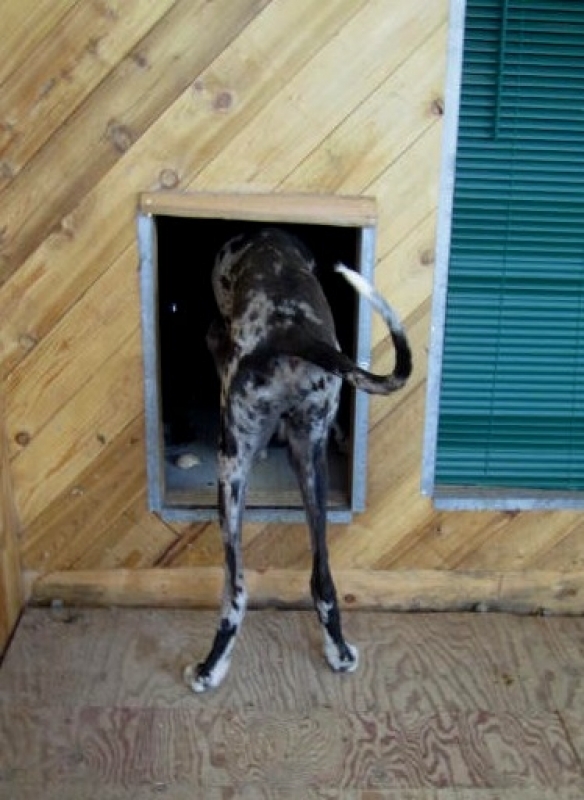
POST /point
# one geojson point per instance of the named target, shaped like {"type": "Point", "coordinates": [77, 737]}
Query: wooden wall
{"type": "Point", "coordinates": [103, 99]}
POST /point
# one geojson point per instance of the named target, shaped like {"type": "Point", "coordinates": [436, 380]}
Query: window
{"type": "Point", "coordinates": [505, 425]}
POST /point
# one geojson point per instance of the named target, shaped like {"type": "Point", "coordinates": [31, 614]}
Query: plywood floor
{"type": "Point", "coordinates": [473, 707]}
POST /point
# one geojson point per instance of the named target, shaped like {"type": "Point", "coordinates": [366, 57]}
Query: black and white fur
{"type": "Point", "coordinates": [279, 362]}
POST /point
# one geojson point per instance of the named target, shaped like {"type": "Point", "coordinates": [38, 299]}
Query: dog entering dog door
{"type": "Point", "coordinates": [179, 238]}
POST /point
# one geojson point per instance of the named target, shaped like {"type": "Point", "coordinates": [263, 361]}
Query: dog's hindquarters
{"type": "Point", "coordinates": [309, 402]}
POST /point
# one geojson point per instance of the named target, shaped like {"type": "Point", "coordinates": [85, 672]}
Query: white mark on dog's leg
{"type": "Point", "coordinates": [346, 661]}
{"type": "Point", "coordinates": [217, 665]}
{"type": "Point", "coordinates": [213, 669]}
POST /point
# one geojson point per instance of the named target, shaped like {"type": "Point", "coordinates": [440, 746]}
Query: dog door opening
{"type": "Point", "coordinates": [182, 387]}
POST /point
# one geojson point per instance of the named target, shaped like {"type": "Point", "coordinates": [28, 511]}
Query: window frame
{"type": "Point", "coordinates": [358, 213]}
{"type": "Point", "coordinates": [445, 496]}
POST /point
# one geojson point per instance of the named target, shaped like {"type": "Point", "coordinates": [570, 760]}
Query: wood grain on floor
{"type": "Point", "coordinates": [443, 707]}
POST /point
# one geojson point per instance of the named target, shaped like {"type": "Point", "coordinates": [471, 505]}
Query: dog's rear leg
{"type": "Point", "coordinates": [309, 459]}
{"type": "Point", "coordinates": [231, 491]}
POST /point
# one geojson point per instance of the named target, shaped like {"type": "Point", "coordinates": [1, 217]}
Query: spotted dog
{"type": "Point", "coordinates": [280, 366]}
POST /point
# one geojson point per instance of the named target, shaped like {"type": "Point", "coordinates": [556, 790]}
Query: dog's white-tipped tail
{"type": "Point", "coordinates": [377, 301]}
{"type": "Point", "coordinates": [403, 364]}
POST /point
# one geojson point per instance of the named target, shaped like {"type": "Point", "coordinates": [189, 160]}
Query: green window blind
{"type": "Point", "coordinates": [512, 393]}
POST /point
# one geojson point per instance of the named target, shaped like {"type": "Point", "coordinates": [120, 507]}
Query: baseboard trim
{"type": "Point", "coordinates": [409, 590]}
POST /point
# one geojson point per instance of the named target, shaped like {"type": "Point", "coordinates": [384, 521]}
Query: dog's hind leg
{"type": "Point", "coordinates": [234, 463]}
{"type": "Point", "coordinates": [308, 452]}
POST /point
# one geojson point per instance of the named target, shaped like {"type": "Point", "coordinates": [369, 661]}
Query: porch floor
{"type": "Point", "coordinates": [443, 706]}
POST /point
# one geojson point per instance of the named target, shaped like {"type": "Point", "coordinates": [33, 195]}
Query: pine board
{"type": "Point", "coordinates": [444, 706]}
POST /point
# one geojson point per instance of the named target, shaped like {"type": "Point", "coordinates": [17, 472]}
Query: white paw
{"type": "Point", "coordinates": [200, 682]}
{"type": "Point", "coordinates": [194, 681]}
{"type": "Point", "coordinates": [341, 662]}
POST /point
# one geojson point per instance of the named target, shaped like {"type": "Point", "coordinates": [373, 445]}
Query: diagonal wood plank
{"type": "Point", "coordinates": [308, 109]}
{"type": "Point", "coordinates": [106, 125]}
{"type": "Point", "coordinates": [385, 123]}
{"type": "Point", "coordinates": [193, 129]}
{"type": "Point", "coordinates": [25, 23]}
{"type": "Point", "coordinates": [405, 276]}
{"type": "Point", "coordinates": [407, 192]}
{"type": "Point", "coordinates": [79, 431]}
{"type": "Point", "coordinates": [124, 543]}
{"type": "Point", "coordinates": [29, 451]}
{"type": "Point", "coordinates": [79, 515]}
{"type": "Point", "coordinates": [520, 543]}
{"type": "Point", "coordinates": [74, 352]}
{"type": "Point", "coordinates": [63, 69]}
{"type": "Point", "coordinates": [563, 551]}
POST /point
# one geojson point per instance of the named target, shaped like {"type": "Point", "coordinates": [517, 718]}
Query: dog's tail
{"type": "Point", "coordinates": [305, 343]}
{"type": "Point", "coordinates": [360, 378]}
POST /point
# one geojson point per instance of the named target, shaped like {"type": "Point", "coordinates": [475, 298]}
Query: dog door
{"type": "Point", "coordinates": [179, 236]}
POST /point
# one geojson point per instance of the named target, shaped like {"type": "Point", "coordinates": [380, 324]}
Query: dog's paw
{"type": "Point", "coordinates": [200, 679]}
{"type": "Point", "coordinates": [341, 659]}
{"type": "Point", "coordinates": [197, 679]}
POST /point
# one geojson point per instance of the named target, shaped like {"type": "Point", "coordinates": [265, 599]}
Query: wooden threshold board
{"type": "Point", "coordinates": [533, 592]}
{"type": "Point", "coordinates": [295, 208]}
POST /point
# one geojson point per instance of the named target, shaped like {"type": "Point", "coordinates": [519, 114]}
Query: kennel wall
{"type": "Point", "coordinates": [103, 101]}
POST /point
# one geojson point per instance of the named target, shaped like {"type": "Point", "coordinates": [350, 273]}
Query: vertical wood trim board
{"type": "Point", "coordinates": [11, 586]}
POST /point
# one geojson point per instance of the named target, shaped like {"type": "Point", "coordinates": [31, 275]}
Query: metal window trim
{"type": "Point", "coordinates": [363, 358]}
{"type": "Point", "coordinates": [146, 231]}
{"type": "Point", "coordinates": [357, 213]}
{"type": "Point", "coordinates": [461, 498]}
{"type": "Point", "coordinates": [443, 236]}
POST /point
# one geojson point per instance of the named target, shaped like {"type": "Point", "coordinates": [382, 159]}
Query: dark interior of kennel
{"type": "Point", "coordinates": [186, 249]}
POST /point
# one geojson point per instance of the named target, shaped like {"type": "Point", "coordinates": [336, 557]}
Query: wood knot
{"type": "Point", "coordinates": [563, 592]}
{"type": "Point", "coordinates": [47, 87]}
{"type": "Point", "coordinates": [92, 46]}
{"type": "Point", "coordinates": [119, 135]}
{"type": "Point", "coordinates": [140, 60]}
{"type": "Point", "coordinates": [66, 227]}
{"type": "Point", "coordinates": [27, 341]}
{"type": "Point", "coordinates": [7, 171]}
{"type": "Point", "coordinates": [6, 268]}
{"type": "Point", "coordinates": [22, 438]}
{"type": "Point", "coordinates": [427, 257]}
{"type": "Point", "coordinates": [437, 107]}
{"type": "Point", "coordinates": [101, 438]}
{"type": "Point", "coordinates": [168, 179]}
{"type": "Point", "coordinates": [223, 100]}
{"type": "Point", "coordinates": [350, 599]}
